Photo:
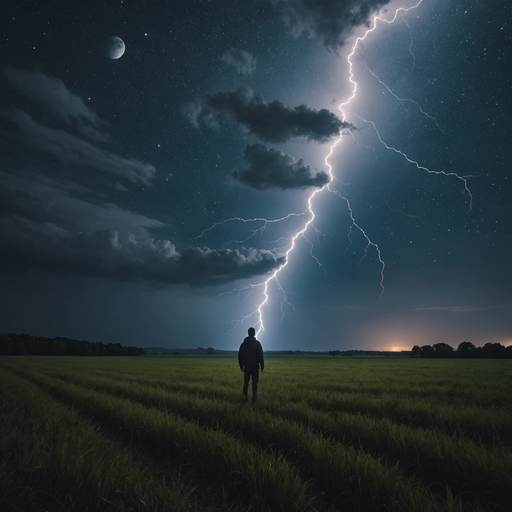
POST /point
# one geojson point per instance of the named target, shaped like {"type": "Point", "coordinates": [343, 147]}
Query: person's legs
{"type": "Point", "coordinates": [247, 376]}
{"type": "Point", "coordinates": [255, 379]}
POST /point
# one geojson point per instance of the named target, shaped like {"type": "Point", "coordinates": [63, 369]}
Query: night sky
{"type": "Point", "coordinates": [141, 196]}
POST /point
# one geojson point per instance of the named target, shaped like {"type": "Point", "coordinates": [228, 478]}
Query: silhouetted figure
{"type": "Point", "coordinates": [250, 358]}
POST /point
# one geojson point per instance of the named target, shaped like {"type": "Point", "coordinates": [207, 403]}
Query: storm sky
{"type": "Point", "coordinates": [145, 200]}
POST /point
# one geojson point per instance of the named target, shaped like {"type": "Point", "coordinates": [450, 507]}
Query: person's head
{"type": "Point", "coordinates": [252, 332]}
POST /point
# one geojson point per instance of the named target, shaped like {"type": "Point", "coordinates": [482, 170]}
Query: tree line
{"type": "Point", "coordinates": [466, 349]}
{"type": "Point", "coordinates": [24, 344]}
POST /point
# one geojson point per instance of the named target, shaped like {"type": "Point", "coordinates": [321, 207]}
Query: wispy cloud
{"type": "Point", "coordinates": [76, 123]}
{"type": "Point", "coordinates": [240, 60]}
{"type": "Point", "coordinates": [40, 198]}
{"type": "Point", "coordinates": [454, 309]}
{"type": "Point", "coordinates": [70, 148]}
{"type": "Point", "coordinates": [59, 100]}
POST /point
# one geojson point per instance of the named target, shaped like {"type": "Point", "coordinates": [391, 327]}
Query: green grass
{"type": "Point", "coordinates": [52, 458]}
{"type": "Point", "coordinates": [326, 434]}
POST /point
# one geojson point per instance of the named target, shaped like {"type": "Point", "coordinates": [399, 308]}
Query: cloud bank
{"type": "Point", "coordinates": [44, 225]}
{"type": "Point", "coordinates": [125, 256]}
{"type": "Point", "coordinates": [271, 168]}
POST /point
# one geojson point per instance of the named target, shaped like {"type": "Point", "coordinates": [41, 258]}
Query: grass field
{"type": "Point", "coordinates": [332, 434]}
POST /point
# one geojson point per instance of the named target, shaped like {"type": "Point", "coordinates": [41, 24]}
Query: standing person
{"type": "Point", "coordinates": [250, 358]}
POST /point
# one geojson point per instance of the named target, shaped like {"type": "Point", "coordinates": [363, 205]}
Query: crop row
{"type": "Point", "coordinates": [491, 427]}
{"type": "Point", "coordinates": [53, 458]}
{"type": "Point", "coordinates": [257, 477]}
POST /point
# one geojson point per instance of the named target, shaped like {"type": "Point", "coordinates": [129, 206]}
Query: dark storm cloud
{"type": "Point", "coordinates": [109, 254]}
{"type": "Point", "coordinates": [275, 122]}
{"type": "Point", "coordinates": [74, 149]}
{"type": "Point", "coordinates": [203, 266]}
{"type": "Point", "coordinates": [271, 122]}
{"type": "Point", "coordinates": [61, 102]}
{"type": "Point", "coordinates": [271, 168]}
{"type": "Point", "coordinates": [44, 224]}
{"type": "Point", "coordinates": [241, 60]}
{"type": "Point", "coordinates": [331, 21]}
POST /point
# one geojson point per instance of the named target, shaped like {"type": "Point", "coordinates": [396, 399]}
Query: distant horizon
{"type": "Point", "coordinates": [235, 349]}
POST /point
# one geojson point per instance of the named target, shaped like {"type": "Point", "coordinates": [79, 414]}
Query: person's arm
{"type": "Point", "coordinates": [262, 361]}
{"type": "Point", "coordinates": [240, 357]}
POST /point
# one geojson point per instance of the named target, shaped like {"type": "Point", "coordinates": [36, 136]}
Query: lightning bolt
{"type": "Point", "coordinates": [260, 230]}
{"type": "Point", "coordinates": [273, 277]}
{"type": "Point", "coordinates": [354, 225]}
{"type": "Point", "coordinates": [309, 211]}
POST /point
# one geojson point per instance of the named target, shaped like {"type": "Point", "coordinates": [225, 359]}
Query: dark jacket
{"type": "Point", "coordinates": [250, 354]}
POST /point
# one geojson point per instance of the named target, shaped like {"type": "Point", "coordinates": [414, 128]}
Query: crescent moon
{"type": "Point", "coordinates": [115, 48]}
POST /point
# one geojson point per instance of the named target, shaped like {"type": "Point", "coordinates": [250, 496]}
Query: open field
{"type": "Point", "coordinates": [173, 433]}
